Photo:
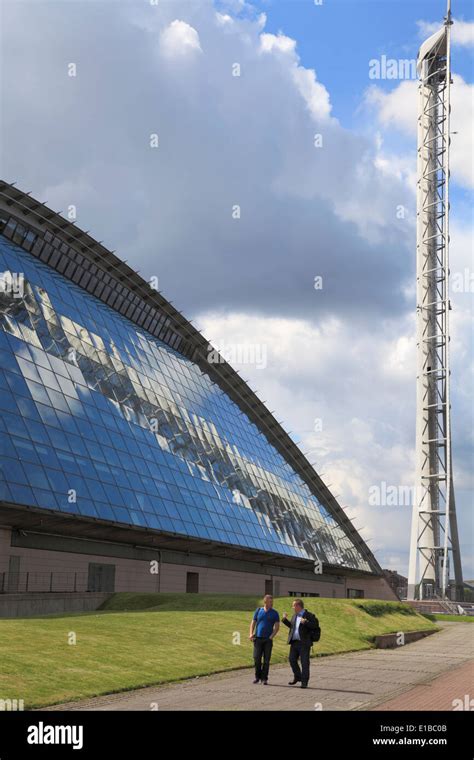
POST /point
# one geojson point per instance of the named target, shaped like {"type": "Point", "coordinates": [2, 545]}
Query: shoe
{"type": "Point", "coordinates": [256, 680]}
{"type": "Point", "coordinates": [304, 686]}
{"type": "Point", "coordinates": [265, 683]}
{"type": "Point", "coordinates": [292, 683]}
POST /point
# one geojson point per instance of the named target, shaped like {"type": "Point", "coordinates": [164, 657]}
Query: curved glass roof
{"type": "Point", "coordinates": [101, 419]}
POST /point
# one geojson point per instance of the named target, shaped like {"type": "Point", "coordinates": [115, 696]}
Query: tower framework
{"type": "Point", "coordinates": [434, 549]}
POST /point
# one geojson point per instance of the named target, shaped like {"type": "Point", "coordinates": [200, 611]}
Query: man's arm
{"type": "Point", "coordinates": [285, 621]}
{"type": "Point", "coordinates": [309, 622]}
{"type": "Point", "coordinates": [253, 624]}
{"type": "Point", "coordinates": [276, 628]}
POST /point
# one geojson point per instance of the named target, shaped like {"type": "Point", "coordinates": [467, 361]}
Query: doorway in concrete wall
{"type": "Point", "coordinates": [13, 574]}
{"type": "Point", "coordinates": [192, 583]}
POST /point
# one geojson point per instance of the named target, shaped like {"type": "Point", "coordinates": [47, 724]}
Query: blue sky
{"type": "Point", "coordinates": [339, 38]}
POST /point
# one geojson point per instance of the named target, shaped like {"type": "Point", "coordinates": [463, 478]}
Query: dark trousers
{"type": "Point", "coordinates": [300, 650]}
{"type": "Point", "coordinates": [262, 650]}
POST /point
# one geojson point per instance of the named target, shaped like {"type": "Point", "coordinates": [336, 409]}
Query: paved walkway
{"type": "Point", "coordinates": [452, 689]}
{"type": "Point", "coordinates": [353, 681]}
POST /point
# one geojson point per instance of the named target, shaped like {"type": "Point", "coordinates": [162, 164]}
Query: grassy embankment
{"type": "Point", "coordinates": [142, 639]}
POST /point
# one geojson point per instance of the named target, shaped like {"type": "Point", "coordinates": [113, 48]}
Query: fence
{"type": "Point", "coordinates": [20, 582]}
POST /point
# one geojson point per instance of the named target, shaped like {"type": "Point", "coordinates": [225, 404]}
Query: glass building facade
{"type": "Point", "coordinates": [100, 418]}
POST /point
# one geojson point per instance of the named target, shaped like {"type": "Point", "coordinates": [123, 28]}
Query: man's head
{"type": "Point", "coordinates": [298, 605]}
{"type": "Point", "coordinates": [268, 600]}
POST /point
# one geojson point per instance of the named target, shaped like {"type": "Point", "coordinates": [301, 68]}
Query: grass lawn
{"type": "Point", "coordinates": [142, 639]}
{"type": "Point", "coordinates": [452, 618]}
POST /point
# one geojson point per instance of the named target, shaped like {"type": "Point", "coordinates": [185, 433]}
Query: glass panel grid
{"type": "Point", "coordinates": [99, 418]}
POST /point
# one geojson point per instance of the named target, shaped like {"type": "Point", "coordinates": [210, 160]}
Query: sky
{"type": "Point", "coordinates": [256, 159]}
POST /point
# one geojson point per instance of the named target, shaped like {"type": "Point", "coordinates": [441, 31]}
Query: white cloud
{"type": "Point", "coordinates": [397, 109]}
{"type": "Point", "coordinates": [313, 92]}
{"type": "Point", "coordinates": [223, 140]}
{"type": "Point", "coordinates": [223, 19]}
{"type": "Point", "coordinates": [179, 39]}
{"type": "Point", "coordinates": [402, 167]}
{"type": "Point", "coordinates": [277, 42]}
{"type": "Point", "coordinates": [462, 33]}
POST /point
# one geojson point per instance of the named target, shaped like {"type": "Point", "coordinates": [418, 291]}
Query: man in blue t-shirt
{"type": "Point", "coordinates": [263, 629]}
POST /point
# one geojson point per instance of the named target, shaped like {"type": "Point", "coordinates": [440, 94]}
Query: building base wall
{"type": "Point", "coordinates": [85, 571]}
{"type": "Point", "coordinates": [31, 604]}
{"type": "Point", "coordinates": [173, 578]}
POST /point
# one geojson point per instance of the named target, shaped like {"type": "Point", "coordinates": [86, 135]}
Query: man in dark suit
{"type": "Point", "coordinates": [299, 639]}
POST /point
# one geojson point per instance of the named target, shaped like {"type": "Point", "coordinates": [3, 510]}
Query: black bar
{"type": "Point", "coordinates": [324, 734]}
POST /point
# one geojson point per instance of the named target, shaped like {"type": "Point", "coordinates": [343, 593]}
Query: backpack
{"type": "Point", "coordinates": [315, 633]}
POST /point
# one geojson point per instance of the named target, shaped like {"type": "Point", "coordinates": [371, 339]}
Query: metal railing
{"type": "Point", "coordinates": [49, 582]}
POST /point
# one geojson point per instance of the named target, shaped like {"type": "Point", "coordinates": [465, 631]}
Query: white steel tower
{"type": "Point", "coordinates": [434, 535]}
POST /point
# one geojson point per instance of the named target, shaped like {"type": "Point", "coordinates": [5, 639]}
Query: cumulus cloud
{"type": "Point", "coordinates": [313, 92]}
{"type": "Point", "coordinates": [179, 39]}
{"type": "Point", "coordinates": [223, 19]}
{"type": "Point", "coordinates": [271, 42]}
{"type": "Point", "coordinates": [394, 164]}
{"type": "Point", "coordinates": [225, 141]}
{"type": "Point", "coordinates": [462, 31]}
{"type": "Point", "coordinates": [397, 106]}
{"type": "Point", "coordinates": [397, 109]}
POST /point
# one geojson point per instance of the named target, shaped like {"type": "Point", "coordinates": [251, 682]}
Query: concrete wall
{"type": "Point", "coordinates": [392, 640]}
{"type": "Point", "coordinates": [173, 578]}
{"type": "Point", "coordinates": [70, 572]}
{"type": "Point", "coordinates": [28, 605]}
{"type": "Point", "coordinates": [373, 588]}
